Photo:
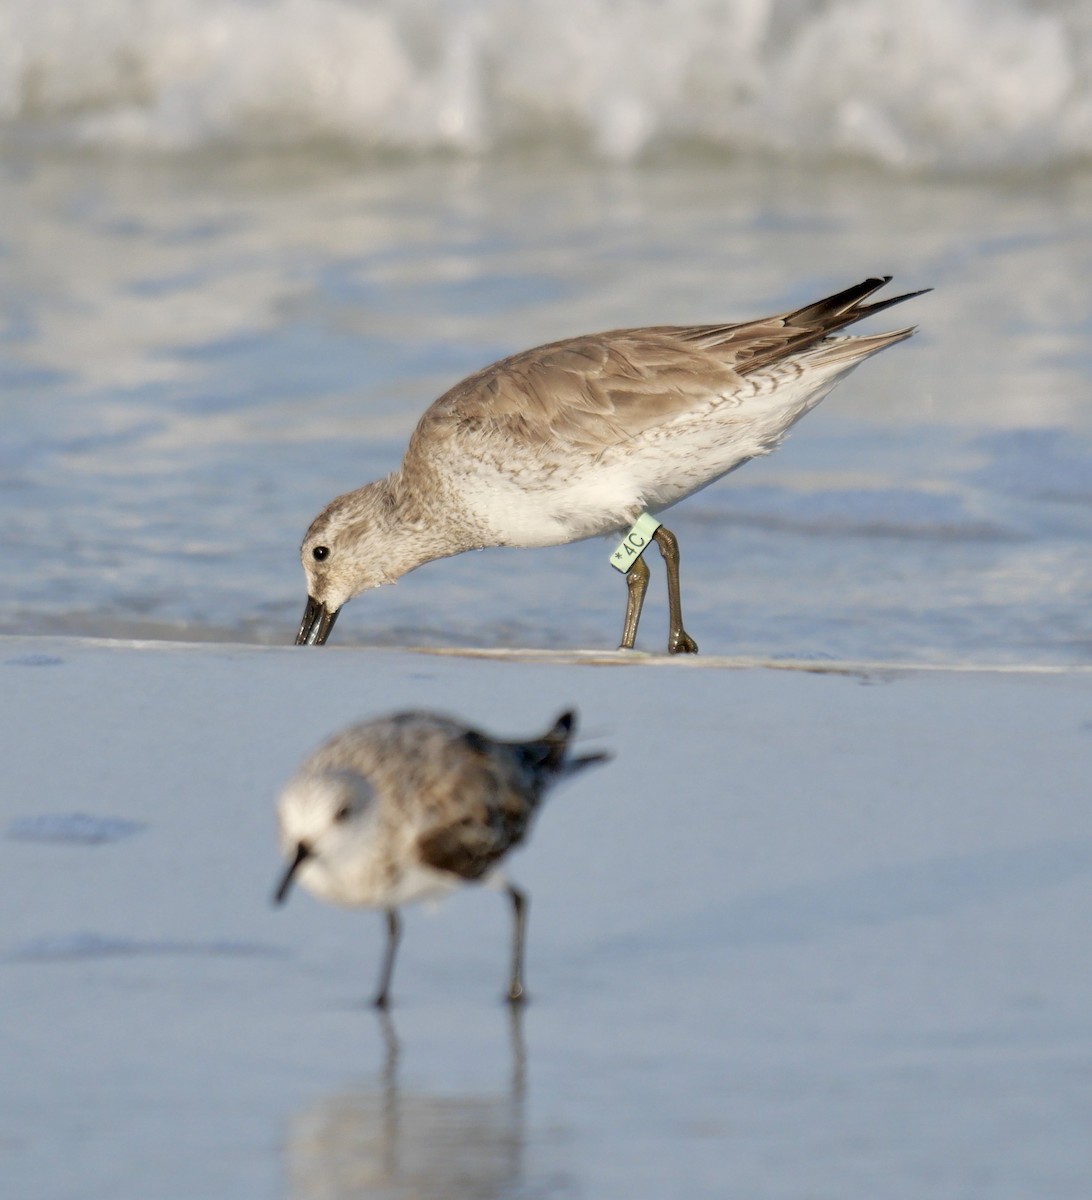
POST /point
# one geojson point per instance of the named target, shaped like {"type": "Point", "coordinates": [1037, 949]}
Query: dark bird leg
{"type": "Point", "coordinates": [678, 640]}
{"type": "Point", "coordinates": [637, 585]}
{"type": "Point", "coordinates": [519, 916]}
{"type": "Point", "coordinates": [394, 932]}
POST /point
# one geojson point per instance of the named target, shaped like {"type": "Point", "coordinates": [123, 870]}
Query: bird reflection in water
{"type": "Point", "coordinates": [386, 1142]}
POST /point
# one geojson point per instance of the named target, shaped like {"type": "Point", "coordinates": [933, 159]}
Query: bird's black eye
{"type": "Point", "coordinates": [320, 552]}
{"type": "Point", "coordinates": [343, 813]}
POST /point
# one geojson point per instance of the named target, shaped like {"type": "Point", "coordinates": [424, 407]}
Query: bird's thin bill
{"type": "Point", "coordinates": [317, 622]}
{"type": "Point", "coordinates": [303, 852]}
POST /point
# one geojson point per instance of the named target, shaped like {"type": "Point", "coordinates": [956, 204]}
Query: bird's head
{"type": "Point", "coordinates": [323, 817]}
{"type": "Point", "coordinates": [349, 548]}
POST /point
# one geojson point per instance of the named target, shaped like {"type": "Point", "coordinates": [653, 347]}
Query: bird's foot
{"type": "Point", "coordinates": [680, 642]}
{"type": "Point", "coordinates": [516, 996]}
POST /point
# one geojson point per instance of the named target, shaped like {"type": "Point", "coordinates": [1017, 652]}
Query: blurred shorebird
{"type": "Point", "coordinates": [578, 439]}
{"type": "Point", "coordinates": [410, 806]}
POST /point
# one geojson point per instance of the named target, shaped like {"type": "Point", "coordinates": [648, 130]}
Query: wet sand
{"type": "Point", "coordinates": [813, 933]}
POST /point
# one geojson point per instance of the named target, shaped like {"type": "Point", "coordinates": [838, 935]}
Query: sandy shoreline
{"type": "Point", "coordinates": [846, 900]}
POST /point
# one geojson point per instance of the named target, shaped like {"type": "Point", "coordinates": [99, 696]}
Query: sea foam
{"type": "Point", "coordinates": [938, 85]}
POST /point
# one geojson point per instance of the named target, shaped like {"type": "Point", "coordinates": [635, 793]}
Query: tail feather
{"type": "Point", "coordinates": [845, 308]}
{"type": "Point", "coordinates": [548, 753]}
{"type": "Point", "coordinates": [587, 760]}
{"type": "Point", "coordinates": [814, 323]}
{"type": "Point", "coordinates": [820, 312]}
{"type": "Point", "coordinates": [853, 350]}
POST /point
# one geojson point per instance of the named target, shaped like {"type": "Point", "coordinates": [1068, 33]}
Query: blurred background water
{"type": "Point", "coordinates": [244, 244]}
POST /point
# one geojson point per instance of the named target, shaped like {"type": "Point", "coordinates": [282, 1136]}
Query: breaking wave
{"type": "Point", "coordinates": [938, 85]}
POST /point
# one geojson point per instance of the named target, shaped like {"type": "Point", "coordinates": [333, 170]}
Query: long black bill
{"type": "Point", "coordinates": [303, 853]}
{"type": "Point", "coordinates": [317, 622]}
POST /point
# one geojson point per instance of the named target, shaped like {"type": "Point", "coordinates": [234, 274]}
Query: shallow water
{"type": "Point", "coordinates": [199, 352]}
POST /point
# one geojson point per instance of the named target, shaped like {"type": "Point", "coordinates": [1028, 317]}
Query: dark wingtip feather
{"type": "Point", "coordinates": [868, 310]}
{"type": "Point", "coordinates": [551, 750]}
{"type": "Point", "coordinates": [589, 760]}
{"type": "Point", "coordinates": [821, 312]}
{"type": "Point", "coordinates": [814, 323]}
{"type": "Point", "coordinates": [565, 722]}
{"type": "Point", "coordinates": [845, 307]}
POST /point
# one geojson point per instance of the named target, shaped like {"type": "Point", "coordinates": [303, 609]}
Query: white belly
{"type": "Point", "coordinates": [538, 496]}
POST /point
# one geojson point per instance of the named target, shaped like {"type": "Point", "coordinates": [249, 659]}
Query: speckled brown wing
{"type": "Point", "coordinates": [586, 392]}
{"type": "Point", "coordinates": [472, 844]}
{"type": "Point", "coordinates": [590, 391]}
